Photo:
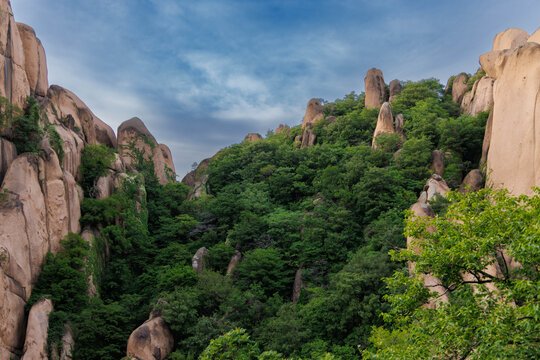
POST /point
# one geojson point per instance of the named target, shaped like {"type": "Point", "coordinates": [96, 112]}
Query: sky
{"type": "Point", "coordinates": [202, 74]}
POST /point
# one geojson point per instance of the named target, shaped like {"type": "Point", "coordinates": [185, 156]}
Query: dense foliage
{"type": "Point", "coordinates": [330, 213]}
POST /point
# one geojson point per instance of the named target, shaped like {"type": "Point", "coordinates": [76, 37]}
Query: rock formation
{"type": "Point", "coordinates": [282, 129]}
{"type": "Point", "coordinates": [395, 88]}
{"type": "Point", "coordinates": [385, 123]}
{"type": "Point", "coordinates": [13, 79]}
{"type": "Point", "coordinates": [459, 88]}
{"type": "Point", "coordinates": [510, 39]}
{"type": "Point", "coordinates": [35, 344]}
{"type": "Point", "coordinates": [513, 145]}
{"type": "Point", "coordinates": [8, 153]}
{"type": "Point", "coordinates": [487, 141]}
{"type": "Point", "coordinates": [434, 185]}
{"type": "Point", "coordinates": [400, 124]}
{"type": "Point", "coordinates": [480, 98]}
{"type": "Point", "coordinates": [437, 162]}
{"type": "Point", "coordinates": [199, 260]}
{"type": "Point", "coordinates": [474, 181]}
{"type": "Point", "coordinates": [308, 137]}
{"type": "Point", "coordinates": [35, 61]}
{"type": "Point", "coordinates": [152, 340]}
{"type": "Point", "coordinates": [421, 209]}
{"type": "Point", "coordinates": [314, 113]}
{"type": "Point", "coordinates": [133, 133]}
{"type": "Point", "coordinates": [252, 137]}
{"type": "Point", "coordinates": [375, 88]}
{"type": "Point", "coordinates": [535, 37]}
{"type": "Point", "coordinates": [297, 286]}
{"type": "Point", "coordinates": [235, 259]}
{"type": "Point", "coordinates": [197, 179]}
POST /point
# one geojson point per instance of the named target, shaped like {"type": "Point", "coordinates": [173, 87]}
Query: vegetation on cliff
{"type": "Point", "coordinates": [333, 210]}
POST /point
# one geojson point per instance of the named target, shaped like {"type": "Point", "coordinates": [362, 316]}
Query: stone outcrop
{"type": "Point", "coordinates": [514, 145]}
{"type": "Point", "coordinates": [385, 123]}
{"type": "Point", "coordinates": [314, 113]}
{"type": "Point", "coordinates": [399, 124]}
{"type": "Point", "coordinates": [375, 88]}
{"type": "Point", "coordinates": [487, 141]}
{"type": "Point", "coordinates": [282, 129]}
{"type": "Point", "coordinates": [8, 153]}
{"type": "Point", "coordinates": [474, 181]}
{"type": "Point", "coordinates": [199, 260]}
{"type": "Point", "coordinates": [152, 340]}
{"type": "Point", "coordinates": [104, 134]}
{"type": "Point", "coordinates": [437, 162]}
{"type": "Point", "coordinates": [421, 209]}
{"type": "Point", "coordinates": [434, 185]}
{"type": "Point", "coordinates": [535, 37]}
{"type": "Point", "coordinates": [510, 39]}
{"type": "Point", "coordinates": [34, 60]}
{"type": "Point", "coordinates": [35, 344]}
{"type": "Point", "coordinates": [459, 88]}
{"type": "Point", "coordinates": [13, 80]}
{"type": "Point", "coordinates": [235, 259]}
{"type": "Point", "coordinates": [197, 180]}
{"type": "Point", "coordinates": [308, 136]}
{"type": "Point", "coordinates": [395, 89]}
{"type": "Point", "coordinates": [66, 347]}
{"type": "Point", "coordinates": [252, 137]}
{"type": "Point", "coordinates": [167, 157]}
{"type": "Point", "coordinates": [297, 286]}
{"type": "Point", "coordinates": [480, 98]}
{"type": "Point", "coordinates": [134, 133]}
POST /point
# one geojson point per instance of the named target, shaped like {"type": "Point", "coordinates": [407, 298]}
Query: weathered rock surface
{"type": "Point", "coordinates": [395, 88]}
{"type": "Point", "coordinates": [199, 260]}
{"type": "Point", "coordinates": [474, 181]}
{"type": "Point", "coordinates": [421, 209]}
{"type": "Point", "coordinates": [487, 141]}
{"type": "Point", "coordinates": [152, 340]}
{"type": "Point", "coordinates": [67, 345]}
{"type": "Point", "coordinates": [167, 157]}
{"type": "Point", "coordinates": [35, 344]}
{"type": "Point", "coordinates": [35, 60]}
{"type": "Point", "coordinates": [104, 134]}
{"type": "Point", "coordinates": [197, 179]}
{"type": "Point", "coordinates": [510, 39]}
{"type": "Point", "coordinates": [314, 113]}
{"type": "Point", "coordinates": [252, 137]}
{"type": "Point", "coordinates": [8, 153]}
{"type": "Point", "coordinates": [399, 124]}
{"type": "Point", "coordinates": [308, 137]}
{"type": "Point", "coordinates": [13, 80]}
{"type": "Point", "coordinates": [480, 98]}
{"type": "Point", "coordinates": [282, 129]}
{"type": "Point", "coordinates": [297, 286]}
{"type": "Point", "coordinates": [535, 37]}
{"type": "Point", "coordinates": [235, 259]}
{"type": "Point", "coordinates": [437, 162]}
{"type": "Point", "coordinates": [512, 160]}
{"type": "Point", "coordinates": [434, 185]}
{"type": "Point", "coordinates": [134, 132]}
{"type": "Point", "coordinates": [459, 88]}
{"type": "Point", "coordinates": [385, 123]}
{"type": "Point", "coordinates": [375, 88]}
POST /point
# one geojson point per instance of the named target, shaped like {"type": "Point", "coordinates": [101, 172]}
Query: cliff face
{"type": "Point", "coordinates": [40, 200]}
{"type": "Point", "coordinates": [514, 145]}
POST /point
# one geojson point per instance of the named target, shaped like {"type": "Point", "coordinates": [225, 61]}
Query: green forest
{"type": "Point", "coordinates": [336, 211]}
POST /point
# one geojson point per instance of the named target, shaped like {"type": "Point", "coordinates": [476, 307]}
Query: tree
{"type": "Point", "coordinates": [489, 315]}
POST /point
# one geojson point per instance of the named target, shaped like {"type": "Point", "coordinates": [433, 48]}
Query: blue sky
{"type": "Point", "coordinates": [202, 74]}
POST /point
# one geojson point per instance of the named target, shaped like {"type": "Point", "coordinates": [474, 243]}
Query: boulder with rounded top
{"type": "Point", "coordinates": [510, 39]}
{"type": "Point", "coordinates": [252, 137]}
{"type": "Point", "coordinates": [199, 260]}
{"type": "Point", "coordinates": [385, 123]}
{"type": "Point", "coordinates": [152, 340]}
{"type": "Point", "coordinates": [35, 344]}
{"type": "Point", "coordinates": [395, 89]}
{"type": "Point", "coordinates": [374, 88]}
{"type": "Point", "coordinates": [474, 181]}
{"type": "Point", "coordinates": [459, 88]}
{"type": "Point", "coordinates": [314, 112]}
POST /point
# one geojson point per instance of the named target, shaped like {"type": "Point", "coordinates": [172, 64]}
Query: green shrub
{"type": "Point", "coordinates": [27, 132]}
{"type": "Point", "coordinates": [95, 161]}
